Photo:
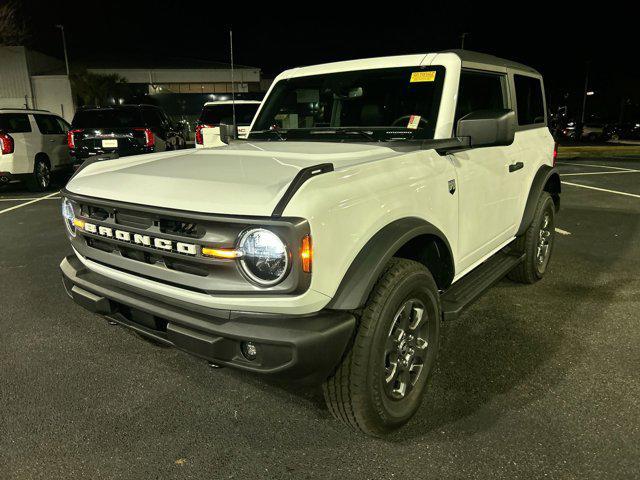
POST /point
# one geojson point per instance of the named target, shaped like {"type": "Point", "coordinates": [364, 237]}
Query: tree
{"type": "Point", "coordinates": [13, 28]}
{"type": "Point", "coordinates": [97, 89]}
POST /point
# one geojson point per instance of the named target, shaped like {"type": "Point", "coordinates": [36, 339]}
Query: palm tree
{"type": "Point", "coordinates": [13, 28]}
{"type": "Point", "coordinates": [97, 89]}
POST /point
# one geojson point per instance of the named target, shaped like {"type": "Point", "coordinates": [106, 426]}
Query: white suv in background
{"type": "Point", "coordinates": [33, 143]}
{"type": "Point", "coordinates": [221, 112]}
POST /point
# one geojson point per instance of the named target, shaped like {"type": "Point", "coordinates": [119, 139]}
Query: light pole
{"type": "Point", "coordinates": [64, 47]}
{"type": "Point", "coordinates": [462, 37]}
{"type": "Point", "coordinates": [584, 97]}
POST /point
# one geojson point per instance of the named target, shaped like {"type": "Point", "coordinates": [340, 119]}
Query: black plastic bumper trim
{"type": "Point", "coordinates": [296, 347]}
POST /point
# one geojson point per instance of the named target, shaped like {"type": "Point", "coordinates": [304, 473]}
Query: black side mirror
{"type": "Point", "coordinates": [228, 133]}
{"type": "Point", "coordinates": [488, 128]}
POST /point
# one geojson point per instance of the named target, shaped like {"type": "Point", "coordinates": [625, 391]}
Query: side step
{"type": "Point", "coordinates": [470, 287]}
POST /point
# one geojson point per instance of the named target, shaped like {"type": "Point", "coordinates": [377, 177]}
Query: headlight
{"type": "Point", "coordinates": [69, 216]}
{"type": "Point", "coordinates": [264, 259]}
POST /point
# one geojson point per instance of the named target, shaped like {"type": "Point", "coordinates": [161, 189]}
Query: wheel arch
{"type": "Point", "coordinates": [411, 238]}
{"type": "Point", "coordinates": [547, 179]}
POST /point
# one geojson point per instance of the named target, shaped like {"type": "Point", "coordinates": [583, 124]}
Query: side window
{"type": "Point", "coordinates": [529, 100]}
{"type": "Point", "coordinates": [48, 125]}
{"type": "Point", "coordinates": [15, 123]}
{"type": "Point", "coordinates": [480, 91]}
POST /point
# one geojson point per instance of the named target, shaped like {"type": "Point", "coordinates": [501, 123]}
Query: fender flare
{"type": "Point", "coordinates": [368, 265]}
{"type": "Point", "coordinates": [544, 174]}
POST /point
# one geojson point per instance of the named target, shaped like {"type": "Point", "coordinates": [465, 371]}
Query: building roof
{"type": "Point", "coordinates": [231, 102]}
{"type": "Point", "coordinates": [146, 62]}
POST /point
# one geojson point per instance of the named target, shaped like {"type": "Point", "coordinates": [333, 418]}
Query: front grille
{"type": "Point", "coordinates": [178, 227]}
{"type": "Point", "coordinates": [186, 267]}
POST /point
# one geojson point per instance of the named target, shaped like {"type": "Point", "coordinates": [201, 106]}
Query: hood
{"type": "Point", "coordinates": [245, 178]}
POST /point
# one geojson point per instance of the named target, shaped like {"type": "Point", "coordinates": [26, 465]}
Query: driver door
{"type": "Point", "coordinates": [488, 191]}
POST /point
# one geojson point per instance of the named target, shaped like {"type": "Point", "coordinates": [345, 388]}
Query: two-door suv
{"type": "Point", "coordinates": [372, 199]}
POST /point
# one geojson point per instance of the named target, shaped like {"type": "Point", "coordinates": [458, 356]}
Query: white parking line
{"type": "Point", "coordinates": [597, 188]}
{"type": "Point", "coordinates": [20, 199]}
{"type": "Point", "coordinates": [595, 166]}
{"type": "Point", "coordinates": [598, 173]}
{"type": "Point", "coordinates": [28, 203]}
{"type": "Point", "coordinates": [562, 232]}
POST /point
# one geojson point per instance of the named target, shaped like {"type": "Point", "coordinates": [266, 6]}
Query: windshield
{"type": "Point", "coordinates": [217, 114]}
{"type": "Point", "coordinates": [374, 105]}
{"type": "Point", "coordinates": [108, 118]}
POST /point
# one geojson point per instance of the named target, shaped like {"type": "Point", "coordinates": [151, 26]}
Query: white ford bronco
{"type": "Point", "coordinates": [372, 200]}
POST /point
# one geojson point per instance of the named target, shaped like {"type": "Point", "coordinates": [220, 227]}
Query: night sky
{"type": "Point", "coordinates": [556, 38]}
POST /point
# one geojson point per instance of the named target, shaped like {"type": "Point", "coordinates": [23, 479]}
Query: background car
{"type": "Point", "coordinates": [221, 112]}
{"type": "Point", "coordinates": [623, 131]}
{"type": "Point", "coordinates": [122, 130]}
{"type": "Point", "coordinates": [32, 145]}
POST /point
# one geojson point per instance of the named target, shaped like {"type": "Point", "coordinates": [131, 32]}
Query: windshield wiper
{"type": "Point", "coordinates": [348, 131]}
{"type": "Point", "coordinates": [272, 131]}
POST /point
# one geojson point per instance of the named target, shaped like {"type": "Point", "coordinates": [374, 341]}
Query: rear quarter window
{"type": "Point", "coordinates": [14, 123]}
{"type": "Point", "coordinates": [529, 101]}
{"type": "Point", "coordinates": [48, 125]}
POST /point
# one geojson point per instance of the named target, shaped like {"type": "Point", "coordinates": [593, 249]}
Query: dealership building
{"type": "Point", "coordinates": [29, 79]}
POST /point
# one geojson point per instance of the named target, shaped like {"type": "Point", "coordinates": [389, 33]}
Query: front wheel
{"type": "Point", "coordinates": [381, 381]}
{"type": "Point", "coordinates": [536, 243]}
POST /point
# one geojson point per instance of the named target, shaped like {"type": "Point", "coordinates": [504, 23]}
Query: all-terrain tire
{"type": "Point", "coordinates": [539, 235]}
{"type": "Point", "coordinates": [360, 393]}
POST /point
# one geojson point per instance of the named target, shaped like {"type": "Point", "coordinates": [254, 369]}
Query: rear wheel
{"type": "Point", "coordinates": [536, 243]}
{"type": "Point", "coordinates": [381, 382]}
{"type": "Point", "coordinates": [40, 179]}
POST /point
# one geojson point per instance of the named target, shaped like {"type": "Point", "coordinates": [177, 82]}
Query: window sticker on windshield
{"type": "Point", "coordinates": [423, 76]}
{"type": "Point", "coordinates": [414, 121]}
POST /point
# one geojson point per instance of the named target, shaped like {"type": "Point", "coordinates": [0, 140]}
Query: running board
{"type": "Point", "coordinates": [470, 287]}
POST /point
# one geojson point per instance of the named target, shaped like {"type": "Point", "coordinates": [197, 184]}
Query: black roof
{"type": "Point", "coordinates": [485, 58]}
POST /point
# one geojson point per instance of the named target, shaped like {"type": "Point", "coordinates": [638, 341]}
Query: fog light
{"type": "Point", "coordinates": [249, 350]}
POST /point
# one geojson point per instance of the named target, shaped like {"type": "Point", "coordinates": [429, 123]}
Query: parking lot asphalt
{"type": "Point", "coordinates": [532, 382]}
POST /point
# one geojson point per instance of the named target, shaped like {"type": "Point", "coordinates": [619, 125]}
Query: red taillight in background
{"type": "Point", "coordinates": [149, 137]}
{"type": "Point", "coordinates": [199, 139]}
{"type": "Point", "coordinates": [71, 141]}
{"type": "Point", "coordinates": [555, 153]}
{"type": "Point", "coordinates": [6, 143]}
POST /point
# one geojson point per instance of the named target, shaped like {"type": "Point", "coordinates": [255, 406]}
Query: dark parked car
{"type": "Point", "coordinates": [122, 130]}
{"type": "Point", "coordinates": [623, 131]}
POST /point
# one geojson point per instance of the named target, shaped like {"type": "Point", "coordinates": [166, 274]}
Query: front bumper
{"type": "Point", "coordinates": [300, 347]}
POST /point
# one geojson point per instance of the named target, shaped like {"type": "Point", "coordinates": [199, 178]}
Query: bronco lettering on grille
{"type": "Point", "coordinates": [139, 239]}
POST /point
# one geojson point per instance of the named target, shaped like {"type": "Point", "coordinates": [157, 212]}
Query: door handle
{"type": "Point", "coordinates": [515, 166]}
{"type": "Point", "coordinates": [51, 141]}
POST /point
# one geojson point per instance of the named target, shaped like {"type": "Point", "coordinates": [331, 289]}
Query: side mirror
{"type": "Point", "coordinates": [488, 128]}
{"type": "Point", "coordinates": [228, 133]}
